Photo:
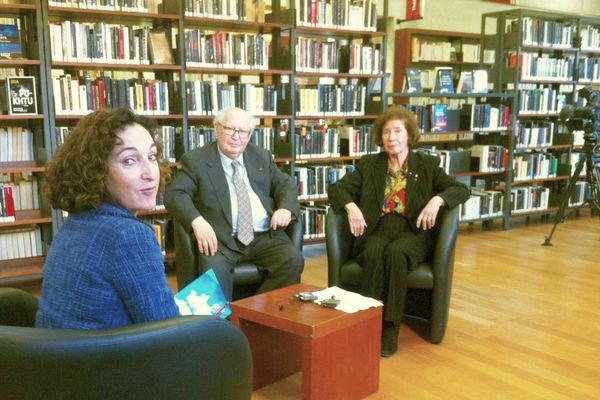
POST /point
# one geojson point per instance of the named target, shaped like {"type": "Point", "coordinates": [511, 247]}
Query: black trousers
{"type": "Point", "coordinates": [274, 254]}
{"type": "Point", "coordinates": [386, 256]}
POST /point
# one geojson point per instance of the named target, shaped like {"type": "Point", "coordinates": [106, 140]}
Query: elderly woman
{"type": "Point", "coordinates": [105, 268]}
{"type": "Point", "coordinates": [392, 200]}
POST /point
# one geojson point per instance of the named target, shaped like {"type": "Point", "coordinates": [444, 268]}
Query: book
{"type": "Point", "coordinates": [10, 41]}
{"type": "Point", "coordinates": [204, 296]}
{"type": "Point", "coordinates": [443, 80]}
{"type": "Point", "coordinates": [160, 49]}
{"type": "Point", "coordinates": [480, 81]}
{"type": "Point", "coordinates": [18, 96]}
{"type": "Point", "coordinates": [465, 82]}
{"type": "Point", "coordinates": [439, 117]}
{"type": "Point", "coordinates": [412, 80]}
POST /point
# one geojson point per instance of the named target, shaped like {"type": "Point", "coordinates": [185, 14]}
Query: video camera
{"type": "Point", "coordinates": [585, 118]}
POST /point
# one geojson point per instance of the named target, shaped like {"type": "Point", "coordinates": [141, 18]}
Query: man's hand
{"type": "Point", "coordinates": [426, 219]}
{"type": "Point", "coordinates": [355, 219]}
{"type": "Point", "coordinates": [205, 236]}
{"type": "Point", "coordinates": [281, 218]}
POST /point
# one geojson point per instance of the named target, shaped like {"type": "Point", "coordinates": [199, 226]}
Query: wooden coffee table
{"type": "Point", "coordinates": [338, 353]}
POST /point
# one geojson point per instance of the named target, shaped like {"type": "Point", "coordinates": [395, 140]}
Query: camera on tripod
{"type": "Point", "coordinates": [585, 118]}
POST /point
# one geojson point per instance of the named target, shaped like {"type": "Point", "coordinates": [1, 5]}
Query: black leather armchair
{"type": "Point", "coordinates": [429, 284]}
{"type": "Point", "coordinates": [247, 278]}
{"type": "Point", "coordinates": [179, 358]}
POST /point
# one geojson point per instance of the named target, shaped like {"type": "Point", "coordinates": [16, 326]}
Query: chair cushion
{"type": "Point", "coordinates": [419, 278]}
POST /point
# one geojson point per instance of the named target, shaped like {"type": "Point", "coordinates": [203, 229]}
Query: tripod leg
{"type": "Point", "coordinates": [560, 214]}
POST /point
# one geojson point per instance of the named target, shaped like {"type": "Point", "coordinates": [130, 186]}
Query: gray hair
{"type": "Point", "coordinates": [220, 117]}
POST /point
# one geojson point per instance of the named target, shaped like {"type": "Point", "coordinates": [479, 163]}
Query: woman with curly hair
{"type": "Point", "coordinates": [105, 268]}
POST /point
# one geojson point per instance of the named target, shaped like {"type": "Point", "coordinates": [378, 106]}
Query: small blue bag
{"type": "Point", "coordinates": [204, 296]}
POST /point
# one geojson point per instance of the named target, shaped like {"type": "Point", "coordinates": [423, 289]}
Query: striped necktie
{"type": "Point", "coordinates": [245, 231]}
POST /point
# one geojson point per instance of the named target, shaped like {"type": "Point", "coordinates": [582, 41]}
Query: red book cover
{"type": "Point", "coordinates": [101, 93]}
{"type": "Point", "coordinates": [121, 45]}
{"type": "Point", "coordinates": [9, 202]}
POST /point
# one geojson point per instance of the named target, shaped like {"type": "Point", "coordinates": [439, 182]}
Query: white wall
{"type": "Point", "coordinates": [465, 15]}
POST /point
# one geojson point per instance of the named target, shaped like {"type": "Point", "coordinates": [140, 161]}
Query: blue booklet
{"type": "Point", "coordinates": [204, 296]}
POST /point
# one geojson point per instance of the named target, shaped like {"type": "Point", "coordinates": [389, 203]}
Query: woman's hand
{"type": "Point", "coordinates": [426, 219]}
{"type": "Point", "coordinates": [355, 219]}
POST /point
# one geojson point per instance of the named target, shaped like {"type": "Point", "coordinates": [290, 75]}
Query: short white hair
{"type": "Point", "coordinates": [250, 120]}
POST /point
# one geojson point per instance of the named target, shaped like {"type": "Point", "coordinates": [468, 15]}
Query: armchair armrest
{"type": "Point", "coordinates": [338, 244]}
{"type": "Point", "coordinates": [443, 268]}
{"type": "Point", "coordinates": [295, 230]}
{"type": "Point", "coordinates": [186, 249]}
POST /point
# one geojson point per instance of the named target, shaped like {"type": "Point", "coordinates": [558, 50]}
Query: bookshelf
{"type": "Point", "coordinates": [219, 57]}
{"type": "Point", "coordinates": [26, 230]}
{"type": "Point", "coordinates": [337, 61]}
{"type": "Point", "coordinates": [544, 58]}
{"type": "Point", "coordinates": [426, 49]}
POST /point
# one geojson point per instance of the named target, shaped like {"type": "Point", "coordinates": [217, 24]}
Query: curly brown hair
{"type": "Point", "coordinates": [76, 176]}
{"type": "Point", "coordinates": [397, 113]}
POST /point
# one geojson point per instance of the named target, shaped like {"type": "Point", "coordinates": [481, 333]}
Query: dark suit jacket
{"type": "Point", "coordinates": [200, 188]}
{"type": "Point", "coordinates": [366, 186]}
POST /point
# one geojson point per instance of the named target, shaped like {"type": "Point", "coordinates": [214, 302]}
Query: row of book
{"type": "Point", "coordinates": [16, 144]}
{"type": "Point", "coordinates": [313, 181]}
{"type": "Point", "coordinates": [589, 69]}
{"type": "Point", "coordinates": [590, 37]}
{"type": "Point", "coordinates": [314, 221]}
{"type": "Point", "coordinates": [489, 158]}
{"type": "Point", "coordinates": [81, 95]}
{"type": "Point", "coordinates": [321, 141]}
{"type": "Point", "coordinates": [534, 134]}
{"type": "Point", "coordinates": [331, 99]}
{"type": "Point", "coordinates": [529, 198]}
{"type": "Point", "coordinates": [162, 227]}
{"type": "Point", "coordinates": [534, 165]}
{"type": "Point", "coordinates": [21, 192]}
{"type": "Point", "coordinates": [209, 96]}
{"type": "Point", "coordinates": [545, 33]}
{"type": "Point", "coordinates": [21, 243]}
{"type": "Point", "coordinates": [340, 14]}
{"type": "Point", "coordinates": [543, 67]}
{"type": "Point", "coordinates": [534, 99]}
{"type": "Point", "coordinates": [137, 6]}
{"type": "Point", "coordinates": [330, 55]}
{"type": "Point", "coordinates": [227, 49]}
{"type": "Point", "coordinates": [100, 42]}
{"type": "Point", "coordinates": [482, 117]}
{"type": "Point", "coordinates": [481, 205]}
{"type": "Point", "coordinates": [236, 10]}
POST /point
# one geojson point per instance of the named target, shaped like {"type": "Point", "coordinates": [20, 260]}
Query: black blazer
{"type": "Point", "coordinates": [366, 187]}
{"type": "Point", "coordinates": [200, 189]}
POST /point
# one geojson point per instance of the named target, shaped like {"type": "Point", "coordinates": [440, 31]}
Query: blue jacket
{"type": "Point", "coordinates": [104, 270]}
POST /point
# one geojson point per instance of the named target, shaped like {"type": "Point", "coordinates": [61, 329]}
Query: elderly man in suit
{"type": "Point", "coordinates": [238, 203]}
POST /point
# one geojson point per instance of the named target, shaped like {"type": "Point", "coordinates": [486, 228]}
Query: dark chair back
{"type": "Point", "coordinates": [17, 307]}
{"type": "Point", "coordinates": [179, 358]}
{"type": "Point", "coordinates": [246, 279]}
{"type": "Point", "coordinates": [429, 284]}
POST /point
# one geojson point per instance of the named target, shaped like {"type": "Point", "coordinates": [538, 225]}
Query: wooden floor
{"type": "Point", "coordinates": [524, 320]}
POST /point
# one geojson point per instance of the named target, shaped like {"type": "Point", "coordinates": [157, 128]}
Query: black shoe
{"type": "Point", "coordinates": [389, 339]}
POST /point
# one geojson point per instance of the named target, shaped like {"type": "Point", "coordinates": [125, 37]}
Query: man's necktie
{"type": "Point", "coordinates": [245, 232]}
